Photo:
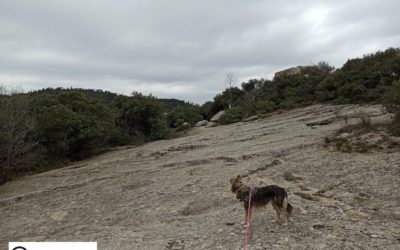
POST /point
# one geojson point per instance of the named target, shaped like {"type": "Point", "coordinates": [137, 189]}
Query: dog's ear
{"type": "Point", "coordinates": [235, 179]}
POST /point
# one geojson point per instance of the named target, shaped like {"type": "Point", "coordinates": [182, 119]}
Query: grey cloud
{"type": "Point", "coordinates": [181, 48]}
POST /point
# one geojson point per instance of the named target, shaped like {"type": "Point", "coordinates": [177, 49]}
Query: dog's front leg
{"type": "Point", "coordinates": [245, 217]}
{"type": "Point", "coordinates": [247, 214]}
{"type": "Point", "coordinates": [284, 210]}
{"type": "Point", "coordinates": [249, 222]}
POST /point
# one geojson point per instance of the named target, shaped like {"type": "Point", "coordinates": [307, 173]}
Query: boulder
{"type": "Point", "coordinates": [382, 119]}
{"type": "Point", "coordinates": [184, 126]}
{"type": "Point", "coordinates": [217, 116]}
{"type": "Point", "coordinates": [201, 123]}
{"type": "Point", "coordinates": [288, 72]}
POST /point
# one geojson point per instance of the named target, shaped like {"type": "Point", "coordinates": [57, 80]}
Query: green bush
{"type": "Point", "coordinates": [232, 115]}
{"type": "Point", "coordinates": [70, 126]}
{"type": "Point", "coordinates": [141, 117]}
{"type": "Point", "coordinates": [392, 100]}
{"type": "Point", "coordinates": [180, 115]}
{"type": "Point", "coordinates": [360, 80]}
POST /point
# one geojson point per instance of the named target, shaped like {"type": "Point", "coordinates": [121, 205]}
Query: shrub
{"type": "Point", "coordinates": [180, 115]}
{"type": "Point", "coordinates": [70, 126]}
{"type": "Point", "coordinates": [392, 100]}
{"type": "Point", "coordinates": [16, 134]}
{"type": "Point", "coordinates": [394, 128]}
{"type": "Point", "coordinates": [232, 115]}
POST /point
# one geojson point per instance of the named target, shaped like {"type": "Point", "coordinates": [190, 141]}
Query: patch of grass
{"type": "Point", "coordinates": [394, 128]}
{"type": "Point", "coordinates": [357, 129]}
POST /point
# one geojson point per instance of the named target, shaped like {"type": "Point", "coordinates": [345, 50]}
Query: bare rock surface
{"type": "Point", "coordinates": [356, 110]}
{"type": "Point", "coordinates": [250, 118]}
{"type": "Point", "coordinates": [175, 194]}
{"type": "Point", "coordinates": [374, 114]}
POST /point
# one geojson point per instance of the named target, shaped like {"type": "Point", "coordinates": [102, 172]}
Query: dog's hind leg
{"type": "Point", "coordinates": [277, 211]}
{"type": "Point", "coordinates": [284, 209]}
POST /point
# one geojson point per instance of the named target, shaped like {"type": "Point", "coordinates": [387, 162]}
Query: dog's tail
{"type": "Point", "coordinates": [289, 209]}
{"type": "Point", "coordinates": [286, 205]}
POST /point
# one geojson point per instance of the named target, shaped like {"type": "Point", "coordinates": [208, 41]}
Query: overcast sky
{"type": "Point", "coordinates": [182, 48]}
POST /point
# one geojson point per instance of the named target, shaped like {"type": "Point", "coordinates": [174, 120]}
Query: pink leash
{"type": "Point", "coordinates": [247, 222]}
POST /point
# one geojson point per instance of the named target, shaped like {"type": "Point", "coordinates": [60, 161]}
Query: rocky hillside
{"type": "Point", "coordinates": [174, 194]}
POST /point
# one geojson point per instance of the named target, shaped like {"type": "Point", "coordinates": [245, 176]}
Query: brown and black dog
{"type": "Point", "coordinates": [261, 196]}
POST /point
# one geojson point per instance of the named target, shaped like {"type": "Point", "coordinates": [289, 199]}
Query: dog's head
{"type": "Point", "coordinates": [241, 190]}
{"type": "Point", "coordinates": [235, 179]}
{"type": "Point", "coordinates": [236, 183]}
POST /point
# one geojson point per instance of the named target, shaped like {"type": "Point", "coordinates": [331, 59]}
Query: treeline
{"type": "Point", "coordinates": [48, 128]}
{"type": "Point", "coordinates": [369, 79]}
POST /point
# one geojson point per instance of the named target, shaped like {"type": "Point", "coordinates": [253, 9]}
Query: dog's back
{"type": "Point", "coordinates": [262, 195]}
{"type": "Point", "coordinates": [278, 195]}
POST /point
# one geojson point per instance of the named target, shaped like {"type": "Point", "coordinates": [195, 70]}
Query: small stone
{"type": "Point", "coordinates": [58, 216]}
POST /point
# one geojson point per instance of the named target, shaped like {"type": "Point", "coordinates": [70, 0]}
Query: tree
{"type": "Point", "coordinates": [16, 136]}
{"type": "Point", "coordinates": [141, 117]}
{"type": "Point", "coordinates": [230, 82]}
{"type": "Point", "coordinates": [325, 67]}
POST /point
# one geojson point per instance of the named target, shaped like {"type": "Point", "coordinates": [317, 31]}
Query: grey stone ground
{"type": "Point", "coordinates": [174, 194]}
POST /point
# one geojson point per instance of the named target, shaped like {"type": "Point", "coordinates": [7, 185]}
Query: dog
{"type": "Point", "coordinates": [261, 196]}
